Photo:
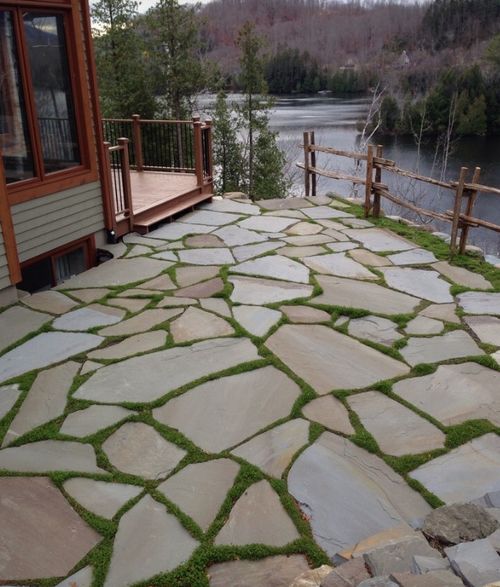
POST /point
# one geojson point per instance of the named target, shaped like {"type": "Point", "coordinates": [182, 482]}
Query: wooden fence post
{"type": "Point", "coordinates": [306, 163]}
{"type": "Point", "coordinates": [108, 190]}
{"type": "Point", "coordinates": [137, 138]}
{"type": "Point", "coordinates": [209, 147]}
{"type": "Point", "coordinates": [127, 188]}
{"type": "Point", "coordinates": [198, 151]}
{"type": "Point", "coordinates": [468, 211]}
{"type": "Point", "coordinates": [369, 180]}
{"type": "Point", "coordinates": [314, 177]}
{"type": "Point", "coordinates": [378, 179]}
{"type": "Point", "coordinates": [457, 209]}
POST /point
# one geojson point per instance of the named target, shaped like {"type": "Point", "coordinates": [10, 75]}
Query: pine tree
{"type": "Point", "coordinates": [269, 181]}
{"type": "Point", "coordinates": [124, 73]}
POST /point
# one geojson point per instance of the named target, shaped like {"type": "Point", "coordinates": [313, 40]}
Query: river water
{"type": "Point", "coordinates": [334, 122]}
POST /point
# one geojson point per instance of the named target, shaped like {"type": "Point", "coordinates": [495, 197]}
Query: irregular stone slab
{"type": "Point", "coordinates": [138, 292]}
{"type": "Point", "coordinates": [339, 264]}
{"type": "Point", "coordinates": [9, 395]}
{"type": "Point", "coordinates": [300, 252]}
{"type": "Point", "coordinates": [138, 449]}
{"type": "Point", "coordinates": [356, 222]}
{"type": "Point", "coordinates": [209, 218]}
{"type": "Point", "coordinates": [249, 251]}
{"type": "Point", "coordinates": [132, 305]}
{"type": "Point", "coordinates": [200, 489]}
{"type": "Point", "coordinates": [216, 305]}
{"type": "Point", "coordinates": [398, 557]}
{"type": "Point", "coordinates": [465, 473]}
{"type": "Point", "coordinates": [304, 228]}
{"type": "Point", "coordinates": [138, 250]}
{"type": "Point", "coordinates": [460, 522]}
{"type": "Point", "coordinates": [52, 302]}
{"type": "Point", "coordinates": [205, 289]}
{"type": "Point", "coordinates": [201, 241]}
{"type": "Point", "coordinates": [251, 290]}
{"type": "Point", "coordinates": [425, 564]}
{"type": "Point", "coordinates": [342, 247]}
{"type": "Point", "coordinates": [369, 258]}
{"type": "Point", "coordinates": [440, 348]}
{"type": "Point", "coordinates": [329, 360]}
{"type": "Point", "coordinates": [267, 223]}
{"type": "Point", "coordinates": [100, 497]}
{"type": "Point", "coordinates": [222, 413]}
{"type": "Point", "coordinates": [50, 455]}
{"type": "Point", "coordinates": [462, 276]}
{"type": "Point", "coordinates": [149, 377]}
{"type": "Point", "coordinates": [376, 329]}
{"type": "Point", "coordinates": [166, 255]}
{"type": "Point", "coordinates": [377, 240]}
{"type": "Point", "coordinates": [378, 582]}
{"type": "Point", "coordinates": [217, 256]}
{"type": "Point", "coordinates": [397, 430]}
{"type": "Point", "coordinates": [330, 413]}
{"type": "Point", "coordinates": [384, 538]}
{"type": "Point", "coordinates": [274, 266]}
{"type": "Point", "coordinates": [433, 579]}
{"type": "Point", "coordinates": [89, 317]}
{"type": "Point", "coordinates": [486, 328]}
{"type": "Point", "coordinates": [338, 291]}
{"type": "Point", "coordinates": [196, 324]}
{"type": "Point", "coordinates": [326, 212]}
{"type": "Point", "coordinates": [306, 241]}
{"type": "Point", "coordinates": [272, 451]}
{"type": "Point", "coordinates": [134, 238]}
{"type": "Point", "coordinates": [284, 203]}
{"type": "Point", "coordinates": [424, 325]}
{"type": "Point", "coordinates": [176, 230]}
{"type": "Point", "coordinates": [331, 224]}
{"type": "Point", "coordinates": [350, 494]}
{"type": "Point", "coordinates": [226, 205]}
{"type": "Point", "coordinates": [413, 257]}
{"type": "Point", "coordinates": [286, 213]}
{"type": "Point", "coordinates": [235, 236]}
{"type": "Point", "coordinates": [89, 366]}
{"type": "Point", "coordinates": [149, 541]}
{"type": "Point", "coordinates": [321, 200]}
{"type": "Point", "coordinates": [312, 578]}
{"type": "Point", "coordinates": [347, 574]}
{"type": "Point", "coordinates": [337, 235]}
{"type": "Point", "coordinates": [17, 322]}
{"type": "Point", "coordinates": [82, 578]}
{"type": "Point", "coordinates": [476, 562]}
{"type": "Point", "coordinates": [116, 272]}
{"type": "Point", "coordinates": [273, 571]}
{"type": "Point", "coordinates": [444, 312]}
{"type": "Point", "coordinates": [258, 518]}
{"type": "Point", "coordinates": [139, 343]}
{"type": "Point", "coordinates": [474, 302]}
{"type": "Point", "coordinates": [161, 283]}
{"type": "Point", "coordinates": [186, 276]}
{"type": "Point", "coordinates": [305, 314]}
{"type": "Point", "coordinates": [92, 419]}
{"type": "Point", "coordinates": [29, 506]}
{"type": "Point", "coordinates": [256, 320]}
{"type": "Point", "coordinates": [419, 283]}
{"type": "Point", "coordinates": [455, 393]}
{"type": "Point", "coordinates": [90, 295]}
{"type": "Point", "coordinates": [45, 401]}
{"type": "Point", "coordinates": [140, 323]}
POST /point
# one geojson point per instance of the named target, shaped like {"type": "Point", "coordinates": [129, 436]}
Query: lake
{"type": "Point", "coordinates": [334, 122]}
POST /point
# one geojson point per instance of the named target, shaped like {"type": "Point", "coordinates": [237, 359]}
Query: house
{"type": "Point", "coordinates": [64, 191]}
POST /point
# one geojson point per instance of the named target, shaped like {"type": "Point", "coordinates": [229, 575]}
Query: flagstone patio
{"type": "Point", "coordinates": [247, 391]}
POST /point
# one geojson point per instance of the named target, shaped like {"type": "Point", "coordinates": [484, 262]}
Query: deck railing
{"type": "Point", "coordinates": [463, 190]}
{"type": "Point", "coordinates": [118, 180]}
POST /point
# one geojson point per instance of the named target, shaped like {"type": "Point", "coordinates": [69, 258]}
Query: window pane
{"type": "Point", "coordinates": [52, 88]}
{"type": "Point", "coordinates": [14, 142]}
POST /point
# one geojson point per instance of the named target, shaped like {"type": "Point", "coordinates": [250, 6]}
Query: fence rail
{"type": "Point", "coordinates": [464, 191]}
{"type": "Point", "coordinates": [118, 180]}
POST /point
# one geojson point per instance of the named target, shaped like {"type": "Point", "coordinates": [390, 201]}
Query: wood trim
{"type": "Point", "coordinates": [87, 241]}
{"type": "Point", "coordinates": [9, 237]}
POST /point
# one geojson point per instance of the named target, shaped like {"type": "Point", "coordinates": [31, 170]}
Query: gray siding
{"type": "Point", "coordinates": [4, 270]}
{"type": "Point", "coordinates": [46, 223]}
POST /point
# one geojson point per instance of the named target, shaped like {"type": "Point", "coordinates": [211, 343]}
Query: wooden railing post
{"type": "Point", "coordinates": [127, 188]}
{"type": "Point", "coordinates": [137, 138]}
{"type": "Point", "coordinates": [209, 147]}
{"type": "Point", "coordinates": [107, 187]}
{"type": "Point", "coordinates": [198, 151]}
{"type": "Point", "coordinates": [457, 209]}
{"type": "Point", "coordinates": [314, 177]}
{"type": "Point", "coordinates": [468, 211]}
{"type": "Point", "coordinates": [306, 163]}
{"type": "Point", "coordinates": [378, 180]}
{"type": "Point", "coordinates": [369, 180]}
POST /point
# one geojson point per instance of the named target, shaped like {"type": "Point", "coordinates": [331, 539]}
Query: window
{"type": "Point", "coordinates": [40, 133]}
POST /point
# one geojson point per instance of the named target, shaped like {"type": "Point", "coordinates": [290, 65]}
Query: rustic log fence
{"type": "Point", "coordinates": [461, 220]}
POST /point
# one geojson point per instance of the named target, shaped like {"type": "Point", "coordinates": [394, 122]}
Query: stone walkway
{"type": "Point", "coordinates": [240, 395]}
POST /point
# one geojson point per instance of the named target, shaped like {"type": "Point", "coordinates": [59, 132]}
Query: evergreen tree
{"type": "Point", "coordinates": [123, 70]}
{"type": "Point", "coordinates": [174, 34]}
{"type": "Point", "coordinates": [269, 181]}
{"type": "Point", "coordinates": [228, 158]}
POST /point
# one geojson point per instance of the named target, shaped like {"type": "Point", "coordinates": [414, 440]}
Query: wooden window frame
{"type": "Point", "coordinates": [87, 171]}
